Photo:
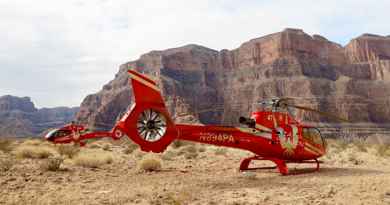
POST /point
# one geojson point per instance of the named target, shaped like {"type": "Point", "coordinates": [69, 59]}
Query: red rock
{"type": "Point", "coordinates": [352, 81]}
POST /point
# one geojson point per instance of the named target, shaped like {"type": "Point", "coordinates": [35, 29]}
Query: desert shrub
{"type": "Point", "coordinates": [68, 150]}
{"type": "Point", "coordinates": [352, 157]}
{"type": "Point", "coordinates": [106, 147]}
{"type": "Point", "coordinates": [51, 164]}
{"type": "Point", "coordinates": [383, 150]}
{"type": "Point", "coordinates": [94, 146]}
{"type": "Point", "coordinates": [190, 149]}
{"type": "Point", "coordinates": [32, 142]}
{"type": "Point", "coordinates": [168, 155]}
{"type": "Point", "coordinates": [6, 164]}
{"type": "Point", "coordinates": [6, 145]}
{"type": "Point", "coordinates": [361, 146]}
{"type": "Point", "coordinates": [187, 149]}
{"type": "Point", "coordinates": [179, 143]}
{"type": "Point", "coordinates": [34, 152]}
{"type": "Point", "coordinates": [150, 164]}
{"type": "Point", "coordinates": [202, 149]}
{"type": "Point", "coordinates": [139, 153]}
{"type": "Point", "coordinates": [93, 159]}
{"type": "Point", "coordinates": [190, 155]}
{"type": "Point", "coordinates": [220, 151]}
{"type": "Point", "coordinates": [130, 148]}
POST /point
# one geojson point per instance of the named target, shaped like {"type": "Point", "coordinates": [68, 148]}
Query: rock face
{"type": "Point", "coordinates": [352, 81]}
{"type": "Point", "coordinates": [20, 118]}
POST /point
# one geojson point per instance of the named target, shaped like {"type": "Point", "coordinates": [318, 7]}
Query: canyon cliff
{"type": "Point", "coordinates": [352, 81]}
{"type": "Point", "coordinates": [20, 118]}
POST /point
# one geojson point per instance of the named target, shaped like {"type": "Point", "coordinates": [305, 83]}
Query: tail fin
{"type": "Point", "coordinates": [148, 122]}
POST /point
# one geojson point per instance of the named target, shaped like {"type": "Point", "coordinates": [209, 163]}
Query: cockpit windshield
{"type": "Point", "coordinates": [313, 135]}
{"type": "Point", "coordinates": [57, 133]}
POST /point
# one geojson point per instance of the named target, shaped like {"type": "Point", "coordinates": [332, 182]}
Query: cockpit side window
{"type": "Point", "coordinates": [62, 133]}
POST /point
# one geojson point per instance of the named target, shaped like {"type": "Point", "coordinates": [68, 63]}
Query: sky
{"type": "Point", "coordinates": [58, 52]}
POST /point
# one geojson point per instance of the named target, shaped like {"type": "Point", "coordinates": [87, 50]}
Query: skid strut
{"type": "Point", "coordinates": [280, 164]}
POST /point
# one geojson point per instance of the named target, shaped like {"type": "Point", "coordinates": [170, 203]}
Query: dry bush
{"type": "Point", "coordinates": [352, 157]}
{"type": "Point", "coordinates": [202, 149]}
{"type": "Point", "coordinates": [361, 146]}
{"type": "Point", "coordinates": [180, 143]}
{"type": "Point", "coordinates": [383, 150]}
{"type": "Point", "coordinates": [51, 164]}
{"type": "Point", "coordinates": [6, 164]}
{"type": "Point", "coordinates": [32, 142]}
{"type": "Point", "coordinates": [220, 151]}
{"type": "Point", "coordinates": [33, 152]}
{"type": "Point", "coordinates": [6, 145]}
{"type": "Point", "coordinates": [68, 150]}
{"type": "Point", "coordinates": [93, 159]}
{"type": "Point", "coordinates": [187, 149]}
{"type": "Point", "coordinates": [94, 146]}
{"type": "Point", "coordinates": [130, 148]}
{"type": "Point", "coordinates": [150, 164]}
{"type": "Point", "coordinates": [191, 155]}
{"type": "Point", "coordinates": [106, 147]}
{"type": "Point", "coordinates": [168, 155]}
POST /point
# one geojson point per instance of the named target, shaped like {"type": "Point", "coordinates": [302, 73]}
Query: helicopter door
{"type": "Point", "coordinates": [313, 135]}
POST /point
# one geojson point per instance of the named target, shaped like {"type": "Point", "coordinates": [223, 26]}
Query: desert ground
{"type": "Point", "coordinates": [37, 172]}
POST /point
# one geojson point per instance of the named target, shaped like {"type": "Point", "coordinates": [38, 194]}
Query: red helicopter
{"type": "Point", "coordinates": [271, 133]}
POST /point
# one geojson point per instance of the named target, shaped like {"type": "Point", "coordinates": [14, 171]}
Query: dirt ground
{"type": "Point", "coordinates": [350, 175]}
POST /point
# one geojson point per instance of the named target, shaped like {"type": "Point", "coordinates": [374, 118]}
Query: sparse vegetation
{"type": "Point", "coordinates": [6, 145]}
{"type": "Point", "coordinates": [168, 155]}
{"type": "Point", "coordinates": [69, 151]}
{"type": "Point", "coordinates": [361, 146]}
{"type": "Point", "coordinates": [106, 147]}
{"type": "Point", "coordinates": [202, 149]}
{"type": "Point", "coordinates": [94, 146]}
{"type": "Point", "coordinates": [93, 159]}
{"type": "Point", "coordinates": [179, 143]}
{"type": "Point", "coordinates": [6, 164]}
{"type": "Point", "coordinates": [191, 155]}
{"type": "Point", "coordinates": [51, 164]}
{"type": "Point", "coordinates": [32, 142]}
{"type": "Point", "coordinates": [130, 148]}
{"type": "Point", "coordinates": [150, 164]}
{"type": "Point", "coordinates": [220, 151]}
{"type": "Point", "coordinates": [33, 152]}
{"type": "Point", "coordinates": [383, 150]}
{"type": "Point", "coordinates": [187, 149]}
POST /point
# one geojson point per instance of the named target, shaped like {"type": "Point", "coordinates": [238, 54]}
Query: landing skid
{"type": "Point", "coordinates": [280, 164]}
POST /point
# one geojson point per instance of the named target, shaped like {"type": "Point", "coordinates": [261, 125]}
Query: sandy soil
{"type": "Point", "coordinates": [349, 176]}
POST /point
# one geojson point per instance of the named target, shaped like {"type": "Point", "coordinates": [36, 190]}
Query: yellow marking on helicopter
{"type": "Point", "coordinates": [311, 151]}
{"type": "Point", "coordinates": [146, 83]}
{"type": "Point", "coordinates": [313, 148]}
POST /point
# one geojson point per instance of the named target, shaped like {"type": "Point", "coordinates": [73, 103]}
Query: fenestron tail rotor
{"type": "Point", "coordinates": [151, 125]}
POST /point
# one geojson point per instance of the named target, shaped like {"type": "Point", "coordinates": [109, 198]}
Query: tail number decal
{"type": "Point", "coordinates": [216, 137]}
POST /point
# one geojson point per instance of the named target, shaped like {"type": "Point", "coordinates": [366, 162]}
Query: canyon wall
{"type": "Point", "coordinates": [219, 86]}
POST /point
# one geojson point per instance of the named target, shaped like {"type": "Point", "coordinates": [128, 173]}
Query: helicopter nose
{"type": "Point", "coordinates": [50, 135]}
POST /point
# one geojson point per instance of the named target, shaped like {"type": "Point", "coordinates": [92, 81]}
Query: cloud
{"type": "Point", "coordinates": [57, 52]}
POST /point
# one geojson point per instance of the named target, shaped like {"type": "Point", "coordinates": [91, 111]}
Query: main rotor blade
{"type": "Point", "coordinates": [319, 112]}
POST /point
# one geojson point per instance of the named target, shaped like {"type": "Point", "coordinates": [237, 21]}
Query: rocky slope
{"type": "Point", "coordinates": [20, 118]}
{"type": "Point", "coordinates": [352, 81]}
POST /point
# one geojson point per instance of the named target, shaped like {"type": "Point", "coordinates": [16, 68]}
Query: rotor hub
{"type": "Point", "coordinates": [151, 125]}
